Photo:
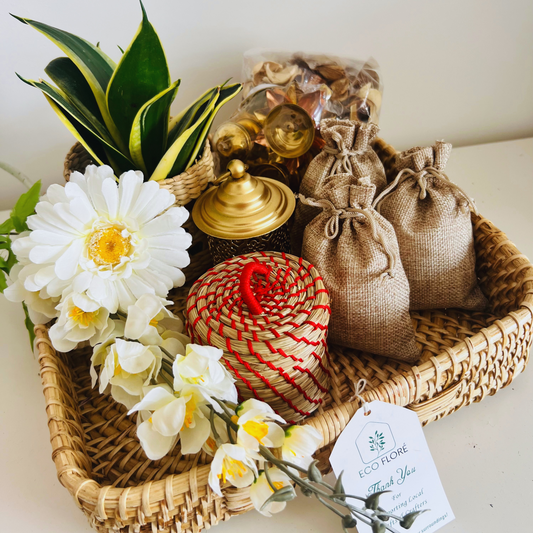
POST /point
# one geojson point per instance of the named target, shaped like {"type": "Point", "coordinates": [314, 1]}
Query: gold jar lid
{"type": "Point", "coordinates": [243, 206]}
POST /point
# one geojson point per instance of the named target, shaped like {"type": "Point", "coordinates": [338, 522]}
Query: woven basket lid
{"type": "Point", "coordinates": [273, 334]}
{"type": "Point", "coordinates": [243, 206]}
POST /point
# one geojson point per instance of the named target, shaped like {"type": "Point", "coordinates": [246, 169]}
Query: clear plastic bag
{"type": "Point", "coordinates": [285, 96]}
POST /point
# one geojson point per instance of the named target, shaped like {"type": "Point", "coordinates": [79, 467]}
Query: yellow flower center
{"type": "Point", "coordinates": [107, 246]}
{"type": "Point", "coordinates": [277, 484]}
{"type": "Point", "coordinates": [118, 370]}
{"type": "Point", "coordinates": [258, 430]}
{"type": "Point", "coordinates": [190, 407]}
{"type": "Point", "coordinates": [153, 322]}
{"type": "Point", "coordinates": [211, 444]}
{"type": "Point", "coordinates": [81, 317]}
{"type": "Point", "coordinates": [231, 468]}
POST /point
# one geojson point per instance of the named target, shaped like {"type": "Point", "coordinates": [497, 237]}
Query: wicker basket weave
{"type": "Point", "coordinates": [185, 186]}
{"type": "Point", "coordinates": [465, 357]}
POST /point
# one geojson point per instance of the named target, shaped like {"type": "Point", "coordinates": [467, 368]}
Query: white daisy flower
{"type": "Point", "coordinates": [81, 319]}
{"type": "Point", "coordinates": [114, 241]}
{"type": "Point", "coordinates": [41, 307]}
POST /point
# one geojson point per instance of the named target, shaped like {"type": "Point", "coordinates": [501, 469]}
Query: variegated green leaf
{"type": "Point", "coordinates": [183, 120]}
{"type": "Point", "coordinates": [149, 131]}
{"type": "Point", "coordinates": [67, 76]}
{"type": "Point", "coordinates": [96, 67]}
{"type": "Point", "coordinates": [226, 94]}
{"type": "Point", "coordinates": [175, 159]}
{"type": "Point", "coordinates": [142, 74]}
{"type": "Point", "coordinates": [92, 135]}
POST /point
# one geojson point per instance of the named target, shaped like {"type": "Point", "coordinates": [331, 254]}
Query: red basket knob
{"type": "Point", "coordinates": [246, 289]}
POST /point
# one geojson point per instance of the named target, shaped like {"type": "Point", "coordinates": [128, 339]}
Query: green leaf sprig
{"type": "Point", "coordinates": [16, 223]}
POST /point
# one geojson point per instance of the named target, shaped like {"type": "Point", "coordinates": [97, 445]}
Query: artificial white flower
{"type": "Point", "coordinates": [148, 318]}
{"type": "Point", "coordinates": [261, 490]}
{"type": "Point", "coordinates": [159, 432]}
{"type": "Point", "coordinates": [127, 367]}
{"type": "Point", "coordinates": [210, 446]}
{"type": "Point", "coordinates": [172, 414]}
{"type": "Point", "coordinates": [81, 319]}
{"type": "Point", "coordinates": [201, 367]}
{"type": "Point", "coordinates": [114, 241]}
{"type": "Point", "coordinates": [41, 307]}
{"type": "Point", "coordinates": [257, 425]}
{"type": "Point", "coordinates": [231, 463]}
{"type": "Point", "coordinates": [300, 443]}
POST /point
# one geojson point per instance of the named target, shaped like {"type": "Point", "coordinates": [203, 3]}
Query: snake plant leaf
{"type": "Point", "coordinates": [175, 159]}
{"type": "Point", "coordinates": [149, 131]}
{"type": "Point", "coordinates": [62, 100]}
{"type": "Point", "coordinates": [68, 77]}
{"type": "Point", "coordinates": [141, 74]}
{"type": "Point", "coordinates": [185, 118]}
{"type": "Point", "coordinates": [101, 154]}
{"type": "Point", "coordinates": [97, 68]}
{"type": "Point", "coordinates": [79, 132]}
{"type": "Point", "coordinates": [226, 94]}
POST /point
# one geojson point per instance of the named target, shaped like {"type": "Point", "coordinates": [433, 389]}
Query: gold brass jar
{"type": "Point", "coordinates": [243, 214]}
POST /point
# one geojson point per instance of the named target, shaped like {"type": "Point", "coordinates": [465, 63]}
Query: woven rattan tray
{"type": "Point", "coordinates": [466, 356]}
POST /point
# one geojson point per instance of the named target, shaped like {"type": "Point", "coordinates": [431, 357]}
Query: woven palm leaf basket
{"type": "Point", "coordinates": [465, 357]}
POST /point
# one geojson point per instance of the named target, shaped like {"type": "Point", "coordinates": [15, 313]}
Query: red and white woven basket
{"type": "Point", "coordinates": [269, 312]}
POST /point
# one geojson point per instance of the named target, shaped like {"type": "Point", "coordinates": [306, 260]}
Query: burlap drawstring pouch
{"type": "Point", "coordinates": [355, 251]}
{"type": "Point", "coordinates": [348, 149]}
{"type": "Point", "coordinates": [431, 217]}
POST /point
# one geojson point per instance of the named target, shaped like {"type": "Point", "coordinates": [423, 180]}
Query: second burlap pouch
{"type": "Point", "coordinates": [355, 251]}
{"type": "Point", "coordinates": [431, 217]}
{"type": "Point", "coordinates": [348, 149]}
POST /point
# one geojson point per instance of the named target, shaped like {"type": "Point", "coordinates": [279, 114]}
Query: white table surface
{"type": "Point", "coordinates": [482, 452]}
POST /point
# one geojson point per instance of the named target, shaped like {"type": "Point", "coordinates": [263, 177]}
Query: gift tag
{"type": "Point", "coordinates": [384, 448]}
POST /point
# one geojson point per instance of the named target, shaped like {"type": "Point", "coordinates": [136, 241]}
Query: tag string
{"type": "Point", "coordinates": [359, 389]}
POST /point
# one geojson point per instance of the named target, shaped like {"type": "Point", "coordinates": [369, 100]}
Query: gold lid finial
{"type": "Point", "coordinates": [241, 206]}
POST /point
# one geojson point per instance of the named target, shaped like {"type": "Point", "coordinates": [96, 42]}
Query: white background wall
{"type": "Point", "coordinates": [461, 70]}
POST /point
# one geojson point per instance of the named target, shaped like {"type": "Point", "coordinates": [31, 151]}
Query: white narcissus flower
{"type": "Point", "coordinates": [257, 426]}
{"type": "Point", "coordinates": [172, 415]}
{"type": "Point", "coordinates": [300, 443]}
{"type": "Point", "coordinates": [201, 367]}
{"type": "Point", "coordinates": [261, 490]}
{"type": "Point", "coordinates": [81, 319]}
{"type": "Point", "coordinates": [127, 367]}
{"type": "Point", "coordinates": [231, 463]}
{"type": "Point", "coordinates": [114, 241]}
{"type": "Point", "coordinates": [148, 318]}
{"type": "Point", "coordinates": [210, 445]}
{"type": "Point", "coordinates": [159, 432]}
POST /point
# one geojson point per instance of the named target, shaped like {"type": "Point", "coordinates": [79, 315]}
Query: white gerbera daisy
{"type": "Point", "coordinates": [114, 241]}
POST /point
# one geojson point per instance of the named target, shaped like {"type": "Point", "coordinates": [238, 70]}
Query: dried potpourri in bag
{"type": "Point", "coordinates": [355, 250]}
{"type": "Point", "coordinates": [348, 149]}
{"type": "Point", "coordinates": [431, 217]}
{"type": "Point", "coordinates": [275, 129]}
{"type": "Point", "coordinates": [349, 88]}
